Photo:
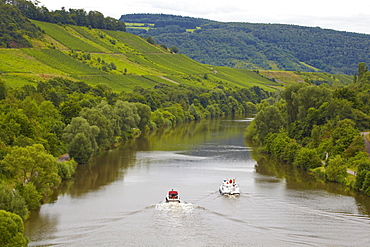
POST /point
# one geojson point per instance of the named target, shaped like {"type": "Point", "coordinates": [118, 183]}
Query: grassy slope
{"type": "Point", "coordinates": [137, 62]}
{"type": "Point", "coordinates": [290, 76]}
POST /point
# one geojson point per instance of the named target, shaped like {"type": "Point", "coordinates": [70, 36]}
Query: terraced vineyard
{"type": "Point", "coordinates": [120, 60]}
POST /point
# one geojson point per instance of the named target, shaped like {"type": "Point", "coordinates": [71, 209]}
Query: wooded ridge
{"type": "Point", "coordinates": [255, 46]}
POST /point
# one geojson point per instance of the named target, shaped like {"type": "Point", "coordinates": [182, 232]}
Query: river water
{"type": "Point", "coordinates": [117, 199]}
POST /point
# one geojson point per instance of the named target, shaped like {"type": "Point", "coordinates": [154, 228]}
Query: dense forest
{"type": "Point", "coordinates": [318, 129]}
{"type": "Point", "coordinates": [257, 46]}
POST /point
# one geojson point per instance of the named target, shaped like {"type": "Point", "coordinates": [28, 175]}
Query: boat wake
{"type": "Point", "coordinates": [175, 206]}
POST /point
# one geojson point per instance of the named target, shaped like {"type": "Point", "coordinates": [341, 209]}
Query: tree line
{"type": "Point", "coordinates": [318, 128]}
{"type": "Point", "coordinates": [14, 27]}
{"type": "Point", "coordinates": [79, 17]}
{"type": "Point", "coordinates": [44, 121]}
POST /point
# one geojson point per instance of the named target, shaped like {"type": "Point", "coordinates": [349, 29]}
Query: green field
{"type": "Point", "coordinates": [125, 83]}
{"type": "Point", "coordinates": [97, 37]}
{"type": "Point", "coordinates": [20, 61]}
{"type": "Point", "coordinates": [60, 61]}
{"type": "Point", "coordinates": [68, 37]}
{"type": "Point", "coordinates": [125, 65]}
{"type": "Point", "coordinates": [145, 26]}
{"type": "Point", "coordinates": [179, 62]}
{"type": "Point", "coordinates": [296, 76]}
{"type": "Point", "coordinates": [244, 78]}
{"type": "Point", "coordinates": [81, 53]}
{"type": "Point", "coordinates": [134, 42]}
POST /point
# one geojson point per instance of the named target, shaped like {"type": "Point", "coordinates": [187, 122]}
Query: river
{"type": "Point", "coordinates": [117, 199]}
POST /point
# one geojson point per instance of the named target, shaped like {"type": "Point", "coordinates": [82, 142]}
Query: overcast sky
{"type": "Point", "coordinates": [338, 15]}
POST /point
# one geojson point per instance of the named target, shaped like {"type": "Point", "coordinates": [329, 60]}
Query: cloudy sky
{"type": "Point", "coordinates": [338, 15]}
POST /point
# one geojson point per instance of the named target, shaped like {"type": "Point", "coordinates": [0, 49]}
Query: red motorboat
{"type": "Point", "coordinates": [172, 196]}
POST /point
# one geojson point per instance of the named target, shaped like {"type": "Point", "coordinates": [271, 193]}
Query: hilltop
{"type": "Point", "coordinates": [255, 46]}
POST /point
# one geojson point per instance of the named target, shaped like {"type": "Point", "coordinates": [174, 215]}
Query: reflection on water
{"type": "Point", "coordinates": [117, 198]}
{"type": "Point", "coordinates": [300, 182]}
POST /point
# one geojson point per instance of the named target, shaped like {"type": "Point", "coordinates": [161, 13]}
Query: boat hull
{"type": "Point", "coordinates": [168, 200]}
{"type": "Point", "coordinates": [223, 192]}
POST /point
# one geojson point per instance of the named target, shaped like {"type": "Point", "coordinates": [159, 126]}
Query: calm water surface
{"type": "Point", "coordinates": [116, 200]}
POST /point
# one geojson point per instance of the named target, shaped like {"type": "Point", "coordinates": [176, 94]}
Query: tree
{"type": "Point", "coordinates": [127, 115]}
{"type": "Point", "coordinates": [357, 146]}
{"type": "Point", "coordinates": [363, 167]}
{"type": "Point", "coordinates": [343, 135]}
{"type": "Point", "coordinates": [33, 164]}
{"type": "Point", "coordinates": [3, 90]}
{"type": "Point", "coordinates": [310, 97]}
{"type": "Point", "coordinates": [150, 40]}
{"type": "Point", "coordinates": [362, 69]}
{"type": "Point", "coordinates": [11, 228]}
{"type": "Point", "coordinates": [108, 111]}
{"type": "Point", "coordinates": [234, 106]}
{"type": "Point", "coordinates": [144, 112]}
{"type": "Point", "coordinates": [69, 110]}
{"type": "Point", "coordinates": [81, 125]}
{"type": "Point", "coordinates": [291, 104]}
{"type": "Point", "coordinates": [174, 49]}
{"type": "Point", "coordinates": [30, 108]}
{"type": "Point", "coordinates": [307, 158]}
{"type": "Point", "coordinates": [95, 117]}
{"type": "Point", "coordinates": [336, 170]}
{"type": "Point", "coordinates": [49, 115]}
{"type": "Point", "coordinates": [157, 118]}
{"type": "Point", "coordinates": [268, 120]}
{"type": "Point", "coordinates": [366, 185]}
{"type": "Point", "coordinates": [194, 112]}
{"type": "Point", "coordinates": [12, 201]}
{"type": "Point", "coordinates": [290, 151]}
{"type": "Point", "coordinates": [30, 194]}
{"type": "Point", "coordinates": [67, 169]}
{"type": "Point", "coordinates": [80, 137]}
{"type": "Point", "coordinates": [250, 107]}
{"type": "Point", "coordinates": [16, 124]}
{"type": "Point", "coordinates": [80, 149]}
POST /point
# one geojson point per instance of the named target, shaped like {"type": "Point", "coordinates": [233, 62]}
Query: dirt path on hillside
{"type": "Point", "coordinates": [167, 79]}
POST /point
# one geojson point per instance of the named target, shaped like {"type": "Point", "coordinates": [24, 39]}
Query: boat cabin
{"type": "Point", "coordinates": [173, 194]}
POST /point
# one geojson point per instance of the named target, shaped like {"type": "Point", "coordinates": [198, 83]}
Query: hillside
{"type": "Point", "coordinates": [255, 46]}
{"type": "Point", "coordinates": [123, 61]}
{"type": "Point", "coordinates": [118, 59]}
